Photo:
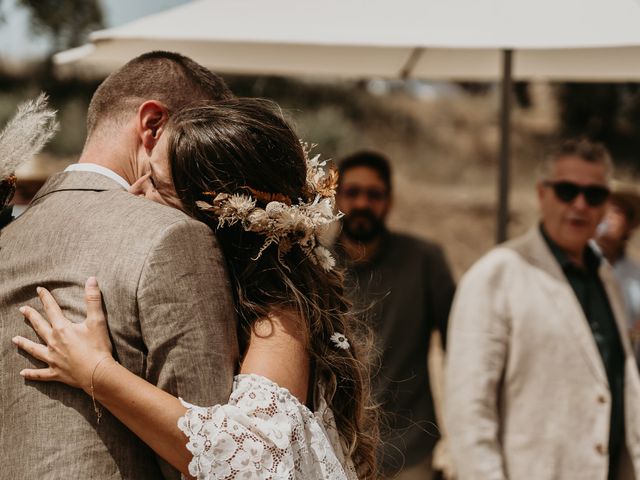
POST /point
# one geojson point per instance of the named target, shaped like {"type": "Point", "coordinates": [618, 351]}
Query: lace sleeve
{"type": "Point", "coordinates": [264, 432]}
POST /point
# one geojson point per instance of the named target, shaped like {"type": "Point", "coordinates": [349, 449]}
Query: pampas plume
{"type": "Point", "coordinates": [26, 133]}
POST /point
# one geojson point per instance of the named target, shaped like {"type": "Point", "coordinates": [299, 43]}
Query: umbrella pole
{"type": "Point", "coordinates": [505, 141]}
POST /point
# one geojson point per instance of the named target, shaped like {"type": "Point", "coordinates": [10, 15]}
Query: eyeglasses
{"type": "Point", "coordinates": [594, 195]}
{"type": "Point", "coordinates": [372, 194]}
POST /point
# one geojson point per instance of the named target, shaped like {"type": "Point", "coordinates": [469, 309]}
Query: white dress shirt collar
{"type": "Point", "coordinates": [92, 167]}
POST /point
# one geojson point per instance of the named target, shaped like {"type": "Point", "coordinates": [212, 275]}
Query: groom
{"type": "Point", "coordinates": [162, 274]}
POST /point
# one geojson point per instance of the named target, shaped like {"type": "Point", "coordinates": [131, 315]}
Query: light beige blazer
{"type": "Point", "coordinates": [526, 393]}
{"type": "Point", "coordinates": [170, 313]}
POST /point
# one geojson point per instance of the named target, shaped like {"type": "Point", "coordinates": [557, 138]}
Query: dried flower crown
{"type": "Point", "coordinates": [282, 221]}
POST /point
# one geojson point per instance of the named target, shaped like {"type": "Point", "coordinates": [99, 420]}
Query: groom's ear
{"type": "Point", "coordinates": [151, 122]}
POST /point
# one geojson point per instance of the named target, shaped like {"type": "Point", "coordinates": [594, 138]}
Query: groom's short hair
{"type": "Point", "coordinates": [171, 78]}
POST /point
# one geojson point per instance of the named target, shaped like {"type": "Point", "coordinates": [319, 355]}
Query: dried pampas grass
{"type": "Point", "coordinates": [26, 134]}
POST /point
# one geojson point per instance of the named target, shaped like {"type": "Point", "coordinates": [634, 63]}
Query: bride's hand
{"type": "Point", "coordinates": [72, 350]}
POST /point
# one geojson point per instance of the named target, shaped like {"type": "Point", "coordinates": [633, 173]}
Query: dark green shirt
{"type": "Point", "coordinates": [5, 216]}
{"type": "Point", "coordinates": [593, 298]}
{"type": "Point", "coordinates": [404, 293]}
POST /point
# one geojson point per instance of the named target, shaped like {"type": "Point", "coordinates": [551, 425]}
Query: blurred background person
{"type": "Point", "coordinates": [403, 288]}
{"type": "Point", "coordinates": [540, 380]}
{"type": "Point", "coordinates": [613, 235]}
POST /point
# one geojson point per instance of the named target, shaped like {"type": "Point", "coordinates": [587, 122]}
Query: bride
{"type": "Point", "coordinates": [300, 405]}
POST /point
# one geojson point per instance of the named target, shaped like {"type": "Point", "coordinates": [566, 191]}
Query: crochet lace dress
{"type": "Point", "coordinates": [264, 432]}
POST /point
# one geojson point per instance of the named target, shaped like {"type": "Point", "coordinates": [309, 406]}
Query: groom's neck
{"type": "Point", "coordinates": [115, 153]}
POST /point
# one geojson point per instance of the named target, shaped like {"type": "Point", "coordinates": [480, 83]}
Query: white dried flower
{"type": "Point", "coordinates": [258, 221]}
{"type": "Point", "coordinates": [283, 221]}
{"type": "Point", "coordinates": [324, 258]}
{"type": "Point", "coordinates": [231, 209]}
{"type": "Point", "coordinates": [290, 220]}
{"type": "Point", "coordinates": [322, 211]}
{"type": "Point", "coordinates": [326, 234]}
{"type": "Point", "coordinates": [242, 204]}
{"type": "Point", "coordinates": [340, 341]}
{"type": "Point", "coordinates": [274, 209]}
{"type": "Point", "coordinates": [315, 172]}
{"type": "Point", "coordinates": [300, 222]}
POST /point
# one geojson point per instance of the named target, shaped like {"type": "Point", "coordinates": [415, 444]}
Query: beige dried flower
{"type": "Point", "coordinates": [26, 134]}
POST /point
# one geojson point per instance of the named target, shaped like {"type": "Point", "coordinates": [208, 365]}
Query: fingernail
{"type": "Point", "coordinates": [15, 340]}
{"type": "Point", "coordinates": [22, 373]}
{"type": "Point", "coordinates": [23, 310]}
{"type": "Point", "coordinates": [92, 282]}
{"type": "Point", "coordinates": [39, 289]}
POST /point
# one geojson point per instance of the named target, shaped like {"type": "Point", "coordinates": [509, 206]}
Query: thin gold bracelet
{"type": "Point", "coordinates": [96, 407]}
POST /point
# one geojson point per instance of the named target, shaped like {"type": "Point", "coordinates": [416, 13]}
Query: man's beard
{"type": "Point", "coordinates": [362, 226]}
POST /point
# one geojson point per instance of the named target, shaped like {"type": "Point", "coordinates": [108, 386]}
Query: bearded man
{"type": "Point", "coordinates": [403, 288]}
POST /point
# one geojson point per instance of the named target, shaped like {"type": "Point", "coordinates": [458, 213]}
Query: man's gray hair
{"type": "Point", "coordinates": [592, 152]}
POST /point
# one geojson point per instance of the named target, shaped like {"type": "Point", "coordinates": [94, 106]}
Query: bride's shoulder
{"type": "Point", "coordinates": [265, 395]}
{"type": "Point", "coordinates": [263, 392]}
{"type": "Point", "coordinates": [261, 412]}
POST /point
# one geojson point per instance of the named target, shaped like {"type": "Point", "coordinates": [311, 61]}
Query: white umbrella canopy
{"type": "Point", "coordinates": [588, 40]}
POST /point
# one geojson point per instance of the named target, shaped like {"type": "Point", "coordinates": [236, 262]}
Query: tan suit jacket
{"type": "Point", "coordinates": [526, 393]}
{"type": "Point", "coordinates": [170, 314]}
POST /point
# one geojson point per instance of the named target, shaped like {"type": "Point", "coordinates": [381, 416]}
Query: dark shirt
{"type": "Point", "coordinates": [5, 216]}
{"type": "Point", "coordinates": [593, 298]}
{"type": "Point", "coordinates": [403, 294]}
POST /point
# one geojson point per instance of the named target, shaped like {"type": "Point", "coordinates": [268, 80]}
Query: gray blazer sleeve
{"type": "Point", "coordinates": [187, 317]}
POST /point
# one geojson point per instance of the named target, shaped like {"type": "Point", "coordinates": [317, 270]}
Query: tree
{"type": "Point", "coordinates": [66, 22]}
{"type": "Point", "coordinates": [606, 112]}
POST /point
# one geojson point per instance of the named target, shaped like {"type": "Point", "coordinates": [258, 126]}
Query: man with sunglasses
{"type": "Point", "coordinates": [403, 288]}
{"type": "Point", "coordinates": [541, 382]}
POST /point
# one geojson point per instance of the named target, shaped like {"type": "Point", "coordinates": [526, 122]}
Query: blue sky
{"type": "Point", "coordinates": [17, 42]}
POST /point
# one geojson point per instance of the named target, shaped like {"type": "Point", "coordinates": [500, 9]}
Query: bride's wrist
{"type": "Point", "coordinates": [91, 385]}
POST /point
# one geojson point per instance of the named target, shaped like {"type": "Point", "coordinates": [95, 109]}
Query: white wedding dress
{"type": "Point", "coordinates": [264, 432]}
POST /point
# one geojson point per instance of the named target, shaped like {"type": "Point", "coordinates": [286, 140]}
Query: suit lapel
{"type": "Point", "coordinates": [564, 301]}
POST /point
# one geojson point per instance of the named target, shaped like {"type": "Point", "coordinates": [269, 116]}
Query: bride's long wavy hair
{"type": "Point", "coordinates": [241, 144]}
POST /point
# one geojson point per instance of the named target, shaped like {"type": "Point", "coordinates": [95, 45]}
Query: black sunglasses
{"type": "Point", "coordinates": [594, 195]}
